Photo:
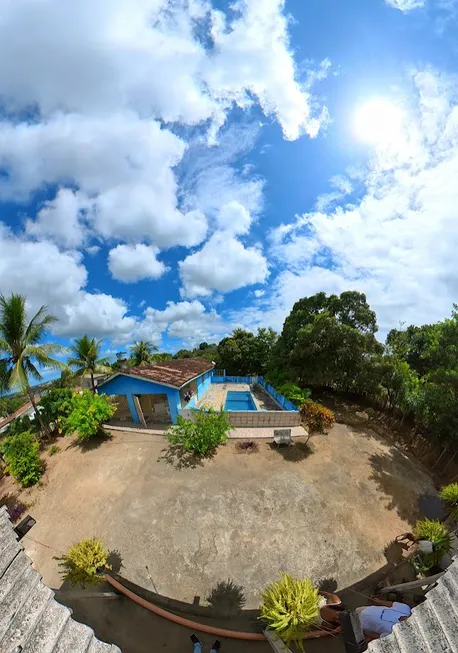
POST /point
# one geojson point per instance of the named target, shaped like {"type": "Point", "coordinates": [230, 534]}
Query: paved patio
{"type": "Point", "coordinates": [215, 396]}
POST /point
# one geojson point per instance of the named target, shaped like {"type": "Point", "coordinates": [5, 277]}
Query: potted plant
{"type": "Point", "coordinates": [292, 607]}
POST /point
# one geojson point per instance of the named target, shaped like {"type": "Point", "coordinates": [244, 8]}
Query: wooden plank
{"type": "Point", "coordinates": [404, 587]}
{"type": "Point", "coordinates": [139, 410]}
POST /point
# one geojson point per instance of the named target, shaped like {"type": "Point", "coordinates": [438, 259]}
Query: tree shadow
{"type": "Point", "coordinates": [394, 552]}
{"type": "Point", "coordinates": [115, 561]}
{"type": "Point", "coordinates": [327, 585]}
{"type": "Point", "coordinates": [16, 508]}
{"type": "Point", "coordinates": [227, 598]}
{"type": "Point", "coordinates": [396, 477]}
{"type": "Point", "coordinates": [92, 443]}
{"type": "Point", "coordinates": [176, 456]}
{"type": "Point", "coordinates": [295, 453]}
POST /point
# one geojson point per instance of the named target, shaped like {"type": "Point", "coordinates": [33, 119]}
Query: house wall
{"type": "Point", "coordinates": [130, 386]}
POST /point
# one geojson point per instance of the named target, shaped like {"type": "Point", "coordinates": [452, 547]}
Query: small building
{"type": "Point", "coordinates": [26, 410]}
{"type": "Point", "coordinates": [155, 393]}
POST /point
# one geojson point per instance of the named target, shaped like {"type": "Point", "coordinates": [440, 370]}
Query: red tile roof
{"type": "Point", "coordinates": [20, 411]}
{"type": "Point", "coordinates": [175, 373]}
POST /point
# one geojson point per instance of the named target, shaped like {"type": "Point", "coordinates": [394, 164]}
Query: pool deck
{"type": "Point", "coordinates": [215, 396]}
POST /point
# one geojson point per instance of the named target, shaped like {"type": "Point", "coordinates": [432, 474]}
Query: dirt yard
{"type": "Point", "coordinates": [326, 510]}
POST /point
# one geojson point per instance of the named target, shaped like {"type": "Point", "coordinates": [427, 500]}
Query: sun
{"type": "Point", "coordinates": [379, 121]}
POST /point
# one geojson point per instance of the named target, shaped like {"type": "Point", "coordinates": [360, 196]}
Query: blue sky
{"type": "Point", "coordinates": [170, 170]}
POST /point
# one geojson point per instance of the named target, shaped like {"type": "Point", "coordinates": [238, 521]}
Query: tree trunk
{"type": "Point", "coordinates": [44, 427]}
{"type": "Point", "coordinates": [92, 381]}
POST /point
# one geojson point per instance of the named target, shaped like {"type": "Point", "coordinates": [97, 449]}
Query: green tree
{"type": "Point", "coordinates": [161, 357]}
{"type": "Point", "coordinates": [183, 353]}
{"type": "Point", "coordinates": [201, 435]}
{"type": "Point", "coordinates": [142, 352]}
{"type": "Point", "coordinates": [85, 358]}
{"type": "Point", "coordinates": [326, 341]}
{"type": "Point", "coordinates": [22, 348]}
{"type": "Point", "coordinates": [87, 413]}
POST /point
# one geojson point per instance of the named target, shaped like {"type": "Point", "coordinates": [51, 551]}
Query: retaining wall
{"type": "Point", "coordinates": [257, 418]}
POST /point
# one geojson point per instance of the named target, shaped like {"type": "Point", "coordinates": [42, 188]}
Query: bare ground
{"type": "Point", "coordinates": [326, 509]}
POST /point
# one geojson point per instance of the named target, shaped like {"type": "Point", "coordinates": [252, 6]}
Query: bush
{"type": "Point", "coordinates": [56, 406]}
{"type": "Point", "coordinates": [435, 532]}
{"type": "Point", "coordinates": [84, 563]}
{"type": "Point", "coordinates": [449, 494]}
{"type": "Point", "coordinates": [317, 417]}
{"type": "Point", "coordinates": [203, 435]}
{"type": "Point", "coordinates": [21, 453]}
{"type": "Point", "coordinates": [88, 412]}
{"type": "Point", "coordinates": [53, 450]}
{"type": "Point", "coordinates": [291, 607]}
{"type": "Point", "coordinates": [294, 393]}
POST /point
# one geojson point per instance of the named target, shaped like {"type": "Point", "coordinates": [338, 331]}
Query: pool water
{"type": "Point", "coordinates": [236, 400]}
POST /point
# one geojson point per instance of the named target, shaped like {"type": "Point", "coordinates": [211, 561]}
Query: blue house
{"type": "Point", "coordinates": [154, 393]}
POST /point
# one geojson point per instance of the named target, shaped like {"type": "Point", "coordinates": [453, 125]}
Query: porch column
{"type": "Point", "coordinates": [133, 409]}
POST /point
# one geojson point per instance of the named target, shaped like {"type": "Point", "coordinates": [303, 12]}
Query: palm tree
{"type": "Point", "coordinates": [85, 358]}
{"type": "Point", "coordinates": [20, 344]}
{"type": "Point", "coordinates": [142, 352]}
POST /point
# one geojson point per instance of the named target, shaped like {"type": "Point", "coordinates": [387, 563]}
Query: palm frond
{"type": "Point", "coordinates": [4, 346]}
{"type": "Point", "coordinates": [12, 319]}
{"type": "Point", "coordinates": [18, 376]}
{"type": "Point", "coordinates": [32, 370]}
{"type": "Point", "coordinates": [38, 326]}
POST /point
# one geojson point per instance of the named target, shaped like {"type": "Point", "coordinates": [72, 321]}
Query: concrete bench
{"type": "Point", "coordinates": [282, 436]}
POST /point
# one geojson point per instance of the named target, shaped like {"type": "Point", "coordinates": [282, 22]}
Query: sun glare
{"type": "Point", "coordinates": [379, 122]}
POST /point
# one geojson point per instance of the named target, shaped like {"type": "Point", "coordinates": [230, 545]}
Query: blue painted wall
{"type": "Point", "coordinates": [129, 386]}
{"type": "Point", "coordinates": [203, 383]}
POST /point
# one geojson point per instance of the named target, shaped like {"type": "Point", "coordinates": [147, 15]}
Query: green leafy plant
{"type": "Point", "coordinates": [294, 393]}
{"type": "Point", "coordinates": [53, 450]}
{"type": "Point", "coordinates": [84, 563]}
{"type": "Point", "coordinates": [435, 532]}
{"type": "Point", "coordinates": [317, 417]}
{"type": "Point", "coordinates": [21, 424]}
{"type": "Point", "coordinates": [203, 434]}
{"type": "Point", "coordinates": [56, 406]}
{"type": "Point", "coordinates": [88, 412]}
{"type": "Point", "coordinates": [449, 494]}
{"type": "Point", "coordinates": [290, 607]}
{"type": "Point", "coordinates": [21, 453]}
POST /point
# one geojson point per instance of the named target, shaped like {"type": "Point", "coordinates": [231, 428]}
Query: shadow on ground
{"type": "Point", "coordinates": [94, 442]}
{"type": "Point", "coordinates": [179, 458]}
{"type": "Point", "coordinates": [393, 479]}
{"type": "Point", "coordinates": [227, 598]}
{"type": "Point", "coordinates": [295, 453]}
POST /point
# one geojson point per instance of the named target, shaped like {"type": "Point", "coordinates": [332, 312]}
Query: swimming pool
{"type": "Point", "coordinates": [239, 401]}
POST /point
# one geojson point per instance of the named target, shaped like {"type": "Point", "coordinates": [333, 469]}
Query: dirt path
{"type": "Point", "coordinates": [326, 511]}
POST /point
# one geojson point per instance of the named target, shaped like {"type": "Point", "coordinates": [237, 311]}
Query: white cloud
{"type": "Point", "coordinates": [93, 250]}
{"type": "Point", "coordinates": [61, 219]}
{"type": "Point", "coordinates": [130, 263]}
{"type": "Point", "coordinates": [259, 293]}
{"type": "Point", "coordinates": [252, 57]}
{"type": "Point", "coordinates": [223, 264]}
{"type": "Point", "coordinates": [406, 5]}
{"type": "Point", "coordinates": [57, 279]}
{"type": "Point", "coordinates": [188, 321]}
{"type": "Point", "coordinates": [398, 242]}
{"type": "Point", "coordinates": [234, 218]}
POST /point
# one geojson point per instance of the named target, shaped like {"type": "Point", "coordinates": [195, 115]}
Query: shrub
{"type": "Point", "coordinates": [294, 393]}
{"type": "Point", "coordinates": [449, 494]}
{"type": "Point", "coordinates": [290, 607]}
{"type": "Point", "coordinates": [53, 450]}
{"type": "Point", "coordinates": [435, 532]}
{"type": "Point", "coordinates": [56, 406]}
{"type": "Point", "coordinates": [84, 563]}
{"type": "Point", "coordinates": [21, 453]}
{"type": "Point", "coordinates": [317, 417]}
{"type": "Point", "coordinates": [203, 435]}
{"type": "Point", "coordinates": [88, 412]}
